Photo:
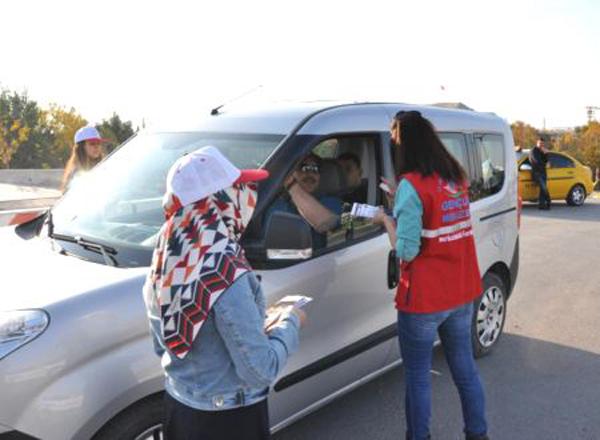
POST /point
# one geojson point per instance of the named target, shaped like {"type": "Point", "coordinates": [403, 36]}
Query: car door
{"type": "Point", "coordinates": [351, 319]}
{"type": "Point", "coordinates": [561, 175]}
{"type": "Point", "coordinates": [528, 189]}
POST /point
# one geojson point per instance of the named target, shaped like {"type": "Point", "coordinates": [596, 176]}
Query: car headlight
{"type": "Point", "coordinates": [18, 327]}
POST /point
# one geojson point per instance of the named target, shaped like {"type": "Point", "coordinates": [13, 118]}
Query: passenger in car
{"type": "Point", "coordinates": [357, 192]}
{"type": "Point", "coordinates": [301, 196]}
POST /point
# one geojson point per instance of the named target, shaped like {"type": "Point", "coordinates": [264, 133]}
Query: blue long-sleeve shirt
{"type": "Point", "coordinates": [408, 213]}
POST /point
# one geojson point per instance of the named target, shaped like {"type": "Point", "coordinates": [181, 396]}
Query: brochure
{"type": "Point", "coordinates": [282, 307]}
{"type": "Point", "coordinates": [363, 210]}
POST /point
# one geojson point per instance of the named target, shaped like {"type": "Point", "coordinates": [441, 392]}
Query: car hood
{"type": "Point", "coordinates": [35, 276]}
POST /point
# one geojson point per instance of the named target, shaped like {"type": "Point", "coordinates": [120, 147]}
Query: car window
{"type": "Point", "coordinates": [339, 172]}
{"type": "Point", "coordinates": [491, 158]}
{"type": "Point", "coordinates": [327, 149]}
{"type": "Point", "coordinates": [560, 161]}
{"type": "Point", "coordinates": [456, 145]}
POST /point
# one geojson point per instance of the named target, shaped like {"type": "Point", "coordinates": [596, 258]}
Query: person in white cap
{"type": "Point", "coordinates": [87, 152]}
{"type": "Point", "coordinates": [207, 309]}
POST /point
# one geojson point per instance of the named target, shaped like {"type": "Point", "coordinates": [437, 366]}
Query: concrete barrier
{"type": "Point", "coordinates": [18, 216]}
{"type": "Point", "coordinates": [41, 178]}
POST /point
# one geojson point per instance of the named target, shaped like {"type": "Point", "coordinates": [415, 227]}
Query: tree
{"type": "Point", "coordinates": [24, 137]}
{"type": "Point", "coordinates": [63, 123]}
{"type": "Point", "coordinates": [116, 130]}
{"type": "Point", "coordinates": [12, 135]}
{"type": "Point", "coordinates": [524, 134]}
{"type": "Point", "coordinates": [590, 144]}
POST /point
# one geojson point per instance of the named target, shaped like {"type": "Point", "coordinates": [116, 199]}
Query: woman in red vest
{"type": "Point", "coordinates": [431, 232]}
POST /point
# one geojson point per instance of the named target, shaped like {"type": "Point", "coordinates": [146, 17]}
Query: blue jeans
{"type": "Point", "coordinates": [417, 332]}
{"type": "Point", "coordinates": [544, 199]}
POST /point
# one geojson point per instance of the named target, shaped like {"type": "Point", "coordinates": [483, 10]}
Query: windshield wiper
{"type": "Point", "coordinates": [107, 252]}
{"type": "Point", "coordinates": [102, 248]}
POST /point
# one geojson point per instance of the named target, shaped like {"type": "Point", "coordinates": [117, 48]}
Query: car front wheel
{"type": "Point", "coordinates": [489, 315]}
{"type": "Point", "coordinates": [576, 196]}
{"type": "Point", "coordinates": [142, 421]}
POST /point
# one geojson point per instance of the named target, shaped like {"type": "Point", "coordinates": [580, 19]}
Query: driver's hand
{"type": "Point", "coordinates": [380, 217]}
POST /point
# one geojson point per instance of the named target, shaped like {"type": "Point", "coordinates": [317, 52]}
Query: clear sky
{"type": "Point", "coordinates": [173, 60]}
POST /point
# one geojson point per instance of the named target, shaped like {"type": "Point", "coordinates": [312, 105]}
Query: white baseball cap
{"type": "Point", "coordinates": [204, 172]}
{"type": "Point", "coordinates": [88, 133]}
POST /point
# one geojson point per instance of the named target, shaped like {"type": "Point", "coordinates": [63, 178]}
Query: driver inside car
{"type": "Point", "coordinates": [301, 196]}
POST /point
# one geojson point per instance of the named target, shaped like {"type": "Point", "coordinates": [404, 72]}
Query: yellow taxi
{"type": "Point", "coordinates": [568, 179]}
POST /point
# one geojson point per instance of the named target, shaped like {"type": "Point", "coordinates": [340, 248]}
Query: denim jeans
{"type": "Point", "coordinates": [544, 199]}
{"type": "Point", "coordinates": [417, 333]}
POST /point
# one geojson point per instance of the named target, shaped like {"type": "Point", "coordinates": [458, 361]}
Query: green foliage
{"type": "Point", "coordinates": [115, 130]}
{"type": "Point", "coordinates": [24, 138]}
{"type": "Point", "coordinates": [583, 144]}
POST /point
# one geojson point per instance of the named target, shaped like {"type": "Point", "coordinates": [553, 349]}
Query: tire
{"type": "Point", "coordinates": [577, 195]}
{"type": "Point", "coordinates": [142, 421]}
{"type": "Point", "coordinates": [489, 315]}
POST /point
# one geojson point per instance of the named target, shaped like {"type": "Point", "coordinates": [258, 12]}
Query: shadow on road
{"type": "Point", "coordinates": [589, 211]}
{"type": "Point", "coordinates": [534, 389]}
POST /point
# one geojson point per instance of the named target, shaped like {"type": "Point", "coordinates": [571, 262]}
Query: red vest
{"type": "Point", "coordinates": [445, 273]}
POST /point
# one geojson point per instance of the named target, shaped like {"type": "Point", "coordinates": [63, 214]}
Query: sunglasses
{"type": "Point", "coordinates": [309, 168]}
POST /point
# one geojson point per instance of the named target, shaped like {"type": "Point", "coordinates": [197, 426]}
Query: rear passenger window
{"type": "Point", "coordinates": [490, 149]}
{"type": "Point", "coordinates": [559, 161]}
{"type": "Point", "coordinates": [456, 145]}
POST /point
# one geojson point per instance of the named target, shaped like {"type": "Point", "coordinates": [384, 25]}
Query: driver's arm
{"type": "Point", "coordinates": [317, 215]}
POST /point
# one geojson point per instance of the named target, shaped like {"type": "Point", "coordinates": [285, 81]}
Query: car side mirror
{"type": "Point", "coordinates": [525, 167]}
{"type": "Point", "coordinates": [288, 237]}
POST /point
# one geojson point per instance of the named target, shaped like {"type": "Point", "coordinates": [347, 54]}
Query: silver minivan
{"type": "Point", "coordinates": [76, 359]}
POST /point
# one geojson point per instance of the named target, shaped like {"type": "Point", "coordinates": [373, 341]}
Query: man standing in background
{"type": "Point", "coordinates": [539, 158]}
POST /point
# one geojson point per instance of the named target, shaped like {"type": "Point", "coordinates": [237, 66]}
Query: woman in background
{"type": "Point", "coordinates": [87, 152]}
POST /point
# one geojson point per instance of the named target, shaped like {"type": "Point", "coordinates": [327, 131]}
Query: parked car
{"type": "Point", "coordinates": [76, 358]}
{"type": "Point", "coordinates": [568, 179]}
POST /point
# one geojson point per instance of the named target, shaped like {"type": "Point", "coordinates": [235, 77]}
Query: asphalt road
{"type": "Point", "coordinates": [543, 379]}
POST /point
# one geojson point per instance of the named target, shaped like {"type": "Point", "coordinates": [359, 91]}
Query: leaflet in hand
{"type": "Point", "coordinates": [298, 301]}
{"type": "Point", "coordinates": [283, 307]}
{"type": "Point", "coordinates": [363, 210]}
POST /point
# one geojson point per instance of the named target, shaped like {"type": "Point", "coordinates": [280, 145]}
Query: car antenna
{"type": "Point", "coordinates": [215, 111]}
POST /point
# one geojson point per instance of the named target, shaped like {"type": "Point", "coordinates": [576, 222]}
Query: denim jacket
{"type": "Point", "coordinates": [232, 361]}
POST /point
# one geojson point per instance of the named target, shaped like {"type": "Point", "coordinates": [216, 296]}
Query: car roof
{"type": "Point", "coordinates": [322, 117]}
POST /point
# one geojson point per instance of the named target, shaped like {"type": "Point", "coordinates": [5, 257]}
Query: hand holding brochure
{"type": "Point", "coordinates": [363, 210]}
{"type": "Point", "coordinates": [283, 308]}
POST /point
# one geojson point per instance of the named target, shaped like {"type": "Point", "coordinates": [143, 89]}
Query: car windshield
{"type": "Point", "coordinates": [120, 201]}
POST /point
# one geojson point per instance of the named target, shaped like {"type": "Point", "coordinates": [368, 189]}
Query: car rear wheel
{"type": "Point", "coordinates": [576, 196]}
{"type": "Point", "coordinates": [489, 315]}
{"type": "Point", "coordinates": [142, 421]}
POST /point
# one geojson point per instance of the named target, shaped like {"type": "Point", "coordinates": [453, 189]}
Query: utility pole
{"type": "Point", "coordinates": [590, 112]}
